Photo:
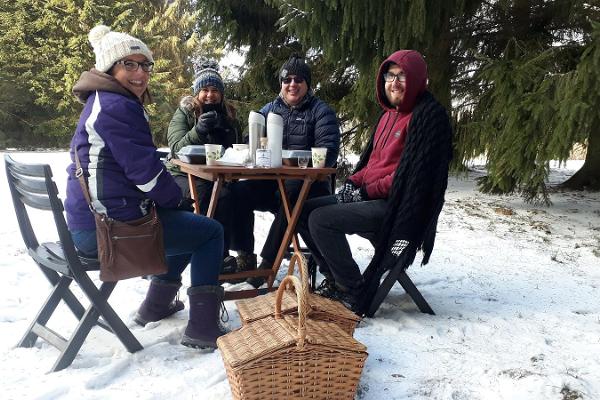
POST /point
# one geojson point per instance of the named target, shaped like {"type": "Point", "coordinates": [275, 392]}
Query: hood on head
{"type": "Point", "coordinates": [415, 69]}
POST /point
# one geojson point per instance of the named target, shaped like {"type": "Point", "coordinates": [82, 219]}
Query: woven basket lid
{"type": "Point", "coordinates": [262, 306]}
{"type": "Point", "coordinates": [270, 335]}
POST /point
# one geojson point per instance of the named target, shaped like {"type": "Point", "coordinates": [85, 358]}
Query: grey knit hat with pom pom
{"type": "Point", "coordinates": [207, 74]}
{"type": "Point", "coordinates": [110, 47]}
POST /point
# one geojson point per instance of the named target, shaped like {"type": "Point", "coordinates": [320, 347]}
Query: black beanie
{"type": "Point", "coordinates": [295, 65]}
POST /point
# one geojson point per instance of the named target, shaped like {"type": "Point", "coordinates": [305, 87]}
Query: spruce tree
{"type": "Point", "coordinates": [517, 75]}
{"type": "Point", "coordinates": [532, 95]}
{"type": "Point", "coordinates": [44, 48]}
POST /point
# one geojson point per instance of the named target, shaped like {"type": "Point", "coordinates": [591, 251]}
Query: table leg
{"type": "Point", "coordinates": [214, 197]}
{"type": "Point", "coordinates": [194, 192]}
{"type": "Point", "coordinates": [285, 201]}
{"type": "Point", "coordinates": [292, 221]}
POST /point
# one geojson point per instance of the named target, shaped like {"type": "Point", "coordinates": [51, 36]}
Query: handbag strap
{"type": "Point", "coordinates": [85, 188]}
{"type": "Point", "coordinates": [83, 182]}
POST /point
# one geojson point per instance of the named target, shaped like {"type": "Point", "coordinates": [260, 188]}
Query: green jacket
{"type": "Point", "coordinates": [182, 132]}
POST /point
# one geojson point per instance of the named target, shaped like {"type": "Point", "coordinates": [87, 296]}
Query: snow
{"type": "Point", "coordinates": [515, 288]}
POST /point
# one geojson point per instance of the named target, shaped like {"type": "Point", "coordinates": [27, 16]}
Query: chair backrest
{"type": "Point", "coordinates": [32, 185]}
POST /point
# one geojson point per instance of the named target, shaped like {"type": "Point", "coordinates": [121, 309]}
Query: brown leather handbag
{"type": "Point", "coordinates": [126, 249]}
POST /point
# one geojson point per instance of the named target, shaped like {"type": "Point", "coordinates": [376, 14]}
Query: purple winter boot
{"type": "Point", "coordinates": [160, 302]}
{"type": "Point", "coordinates": [204, 326]}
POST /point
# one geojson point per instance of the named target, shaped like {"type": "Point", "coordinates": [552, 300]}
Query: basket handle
{"type": "Point", "coordinates": [301, 294]}
{"type": "Point", "coordinates": [299, 260]}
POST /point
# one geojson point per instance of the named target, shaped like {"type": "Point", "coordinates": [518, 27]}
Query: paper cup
{"type": "Point", "coordinates": [318, 157]}
{"type": "Point", "coordinates": [213, 153]}
{"type": "Point", "coordinates": [240, 147]}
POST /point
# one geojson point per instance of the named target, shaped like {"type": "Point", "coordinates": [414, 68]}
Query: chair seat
{"type": "Point", "coordinates": [55, 248]}
{"type": "Point", "coordinates": [51, 255]}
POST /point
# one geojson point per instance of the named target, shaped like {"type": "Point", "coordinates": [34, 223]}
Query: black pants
{"type": "Point", "coordinates": [204, 189]}
{"type": "Point", "coordinates": [324, 225]}
{"type": "Point", "coordinates": [263, 195]}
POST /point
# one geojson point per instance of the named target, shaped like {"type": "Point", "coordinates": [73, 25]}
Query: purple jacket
{"type": "Point", "coordinates": [115, 148]}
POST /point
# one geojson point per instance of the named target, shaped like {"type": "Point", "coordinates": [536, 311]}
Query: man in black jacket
{"type": "Point", "coordinates": [308, 122]}
{"type": "Point", "coordinates": [396, 192]}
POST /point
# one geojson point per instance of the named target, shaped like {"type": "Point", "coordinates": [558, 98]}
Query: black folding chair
{"type": "Point", "coordinates": [398, 274]}
{"type": "Point", "coordinates": [32, 185]}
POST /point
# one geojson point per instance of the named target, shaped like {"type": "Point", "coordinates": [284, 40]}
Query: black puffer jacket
{"type": "Point", "coordinates": [417, 193]}
{"type": "Point", "coordinates": [310, 124]}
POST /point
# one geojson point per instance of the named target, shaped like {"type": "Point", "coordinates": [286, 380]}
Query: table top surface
{"type": "Point", "coordinates": [284, 171]}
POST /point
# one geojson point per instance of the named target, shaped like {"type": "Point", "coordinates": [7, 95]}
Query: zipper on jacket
{"type": "Point", "coordinates": [130, 237]}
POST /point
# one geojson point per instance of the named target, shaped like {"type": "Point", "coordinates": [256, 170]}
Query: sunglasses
{"type": "Point", "coordinates": [296, 79]}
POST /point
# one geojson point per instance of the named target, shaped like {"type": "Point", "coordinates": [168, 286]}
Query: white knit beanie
{"type": "Point", "coordinates": [110, 47]}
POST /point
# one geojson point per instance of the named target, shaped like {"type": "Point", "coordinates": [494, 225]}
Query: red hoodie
{"type": "Point", "coordinates": [390, 134]}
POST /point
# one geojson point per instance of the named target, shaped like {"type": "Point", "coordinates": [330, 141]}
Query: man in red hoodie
{"type": "Point", "coordinates": [397, 189]}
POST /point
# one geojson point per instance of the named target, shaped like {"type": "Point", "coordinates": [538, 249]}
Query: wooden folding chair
{"type": "Point", "coordinates": [32, 185]}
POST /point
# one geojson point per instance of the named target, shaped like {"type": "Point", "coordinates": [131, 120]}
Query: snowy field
{"type": "Point", "coordinates": [515, 288]}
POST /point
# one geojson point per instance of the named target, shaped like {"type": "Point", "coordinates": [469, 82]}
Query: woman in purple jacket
{"type": "Point", "coordinates": [125, 176]}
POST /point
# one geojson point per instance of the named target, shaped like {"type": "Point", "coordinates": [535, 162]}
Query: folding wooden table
{"type": "Point", "coordinates": [221, 174]}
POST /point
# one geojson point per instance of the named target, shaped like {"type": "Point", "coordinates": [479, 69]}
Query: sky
{"type": "Point", "coordinates": [514, 286]}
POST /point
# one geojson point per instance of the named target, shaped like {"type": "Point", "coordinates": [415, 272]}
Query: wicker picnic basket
{"type": "Point", "coordinates": [320, 308]}
{"type": "Point", "coordinates": [288, 357]}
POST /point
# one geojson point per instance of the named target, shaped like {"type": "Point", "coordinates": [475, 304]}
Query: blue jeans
{"type": "Point", "coordinates": [187, 237]}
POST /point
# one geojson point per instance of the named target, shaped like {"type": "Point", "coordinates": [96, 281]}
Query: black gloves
{"type": "Point", "coordinates": [344, 195]}
{"type": "Point", "coordinates": [359, 195]}
{"type": "Point", "coordinates": [186, 204]}
{"type": "Point", "coordinates": [206, 122]}
{"type": "Point", "coordinates": [349, 193]}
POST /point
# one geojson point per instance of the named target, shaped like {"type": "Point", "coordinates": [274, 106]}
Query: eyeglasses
{"type": "Point", "coordinates": [131, 65]}
{"type": "Point", "coordinates": [296, 79]}
{"type": "Point", "coordinates": [389, 77]}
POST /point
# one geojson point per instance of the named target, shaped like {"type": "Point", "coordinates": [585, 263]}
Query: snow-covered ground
{"type": "Point", "coordinates": [515, 289]}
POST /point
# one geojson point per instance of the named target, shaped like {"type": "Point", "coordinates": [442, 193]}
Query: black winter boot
{"type": "Point", "coordinates": [160, 302]}
{"type": "Point", "coordinates": [204, 326]}
{"type": "Point", "coordinates": [349, 297]}
{"type": "Point", "coordinates": [257, 281]}
{"type": "Point", "coordinates": [246, 261]}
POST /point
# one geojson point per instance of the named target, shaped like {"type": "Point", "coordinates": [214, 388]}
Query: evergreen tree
{"type": "Point", "coordinates": [517, 74]}
{"type": "Point", "coordinates": [532, 94]}
{"type": "Point", "coordinates": [252, 25]}
{"type": "Point", "coordinates": [44, 49]}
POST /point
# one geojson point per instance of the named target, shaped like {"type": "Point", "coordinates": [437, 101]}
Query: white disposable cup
{"type": "Point", "coordinates": [318, 156]}
{"type": "Point", "coordinates": [213, 153]}
{"type": "Point", "coordinates": [240, 147]}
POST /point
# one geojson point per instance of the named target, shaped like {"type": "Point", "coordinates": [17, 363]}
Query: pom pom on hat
{"type": "Point", "coordinates": [295, 65]}
{"type": "Point", "coordinates": [208, 75]}
{"type": "Point", "coordinates": [97, 33]}
{"type": "Point", "coordinates": [110, 47]}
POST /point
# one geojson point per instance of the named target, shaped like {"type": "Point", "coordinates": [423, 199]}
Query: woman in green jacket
{"type": "Point", "coordinates": [205, 118]}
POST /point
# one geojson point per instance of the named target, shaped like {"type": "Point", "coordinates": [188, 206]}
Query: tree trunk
{"type": "Point", "coordinates": [439, 65]}
{"type": "Point", "coordinates": [588, 177]}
